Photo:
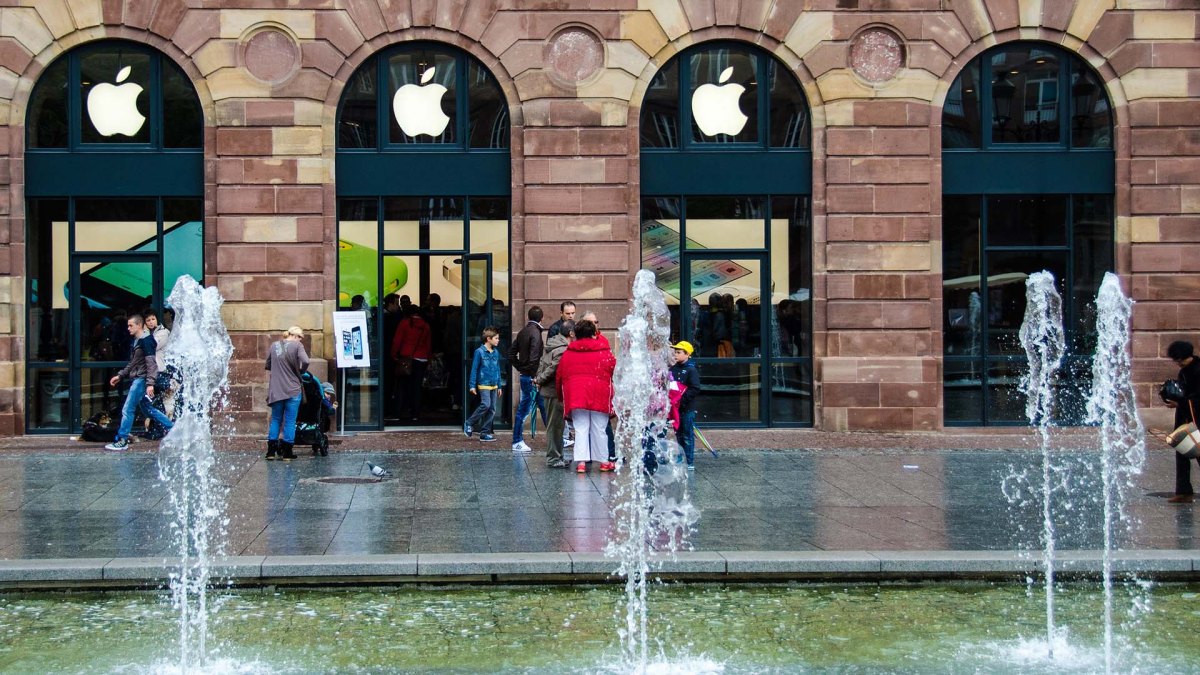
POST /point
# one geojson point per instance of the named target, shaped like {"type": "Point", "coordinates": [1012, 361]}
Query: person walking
{"type": "Point", "coordinates": [286, 360]}
{"type": "Point", "coordinates": [584, 383]}
{"type": "Point", "coordinates": [411, 349]}
{"type": "Point", "coordinates": [484, 381]}
{"type": "Point", "coordinates": [162, 383]}
{"type": "Point", "coordinates": [1184, 356]}
{"type": "Point", "coordinates": [525, 353]}
{"type": "Point", "coordinates": [142, 372]}
{"type": "Point", "coordinates": [547, 386]}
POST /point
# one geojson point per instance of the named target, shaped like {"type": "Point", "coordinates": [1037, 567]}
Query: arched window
{"type": "Point", "coordinates": [1028, 180]}
{"type": "Point", "coordinates": [726, 227]}
{"type": "Point", "coordinates": [114, 188]}
{"type": "Point", "coordinates": [423, 184]}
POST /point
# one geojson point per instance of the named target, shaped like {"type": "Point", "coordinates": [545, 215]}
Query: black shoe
{"type": "Point", "coordinates": [272, 449]}
{"type": "Point", "coordinates": [285, 451]}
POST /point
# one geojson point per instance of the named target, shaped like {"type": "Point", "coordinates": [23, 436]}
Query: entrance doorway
{"type": "Point", "coordinates": [453, 294]}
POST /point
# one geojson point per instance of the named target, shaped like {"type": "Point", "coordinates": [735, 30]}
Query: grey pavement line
{"type": "Point", "coordinates": [709, 565]}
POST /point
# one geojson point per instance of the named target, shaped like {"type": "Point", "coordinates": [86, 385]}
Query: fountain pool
{"type": "Point", "coordinates": [812, 628]}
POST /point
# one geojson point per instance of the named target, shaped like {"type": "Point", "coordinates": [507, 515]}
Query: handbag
{"type": "Point", "coordinates": [403, 366]}
{"type": "Point", "coordinates": [1171, 390]}
{"type": "Point", "coordinates": [1186, 437]}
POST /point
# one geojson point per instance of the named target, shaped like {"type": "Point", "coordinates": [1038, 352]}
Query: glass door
{"type": "Point", "coordinates": [104, 291]}
{"type": "Point", "coordinates": [476, 274]}
{"type": "Point", "coordinates": [723, 317]}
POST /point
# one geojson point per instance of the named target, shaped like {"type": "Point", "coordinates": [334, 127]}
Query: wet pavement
{"type": "Point", "coordinates": [58, 501]}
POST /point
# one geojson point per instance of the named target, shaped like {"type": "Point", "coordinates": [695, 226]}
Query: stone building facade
{"type": "Point", "coordinates": [876, 75]}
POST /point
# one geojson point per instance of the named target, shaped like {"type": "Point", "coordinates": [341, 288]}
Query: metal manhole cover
{"type": "Point", "coordinates": [347, 480]}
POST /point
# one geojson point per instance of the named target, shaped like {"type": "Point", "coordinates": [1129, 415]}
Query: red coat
{"type": "Point", "coordinates": [584, 378]}
{"type": "Point", "coordinates": [413, 339]}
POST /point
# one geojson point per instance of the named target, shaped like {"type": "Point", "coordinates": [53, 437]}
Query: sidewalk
{"type": "Point", "coordinates": [904, 505]}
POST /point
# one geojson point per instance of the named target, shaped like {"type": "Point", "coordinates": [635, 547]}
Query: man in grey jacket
{"type": "Point", "coordinates": [142, 371]}
{"type": "Point", "coordinates": [546, 371]}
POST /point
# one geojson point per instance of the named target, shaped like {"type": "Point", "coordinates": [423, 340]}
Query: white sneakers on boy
{"type": "Point", "coordinates": [521, 449]}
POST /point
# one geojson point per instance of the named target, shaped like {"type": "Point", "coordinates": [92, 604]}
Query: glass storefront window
{"type": "Point", "coordinates": [425, 86]}
{"type": "Point", "coordinates": [116, 225]}
{"type": "Point", "coordinates": [732, 393]}
{"type": "Point", "coordinates": [724, 96]}
{"type": "Point", "coordinates": [726, 222]}
{"type": "Point", "coordinates": [961, 112]}
{"type": "Point", "coordinates": [1025, 95]}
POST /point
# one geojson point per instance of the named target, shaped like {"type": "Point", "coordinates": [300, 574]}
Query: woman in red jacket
{"type": "Point", "coordinates": [584, 383]}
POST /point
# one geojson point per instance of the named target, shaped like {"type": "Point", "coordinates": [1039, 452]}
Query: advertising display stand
{"type": "Point", "coordinates": [353, 351]}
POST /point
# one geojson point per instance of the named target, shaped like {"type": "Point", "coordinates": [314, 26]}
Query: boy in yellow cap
{"type": "Point", "coordinates": [685, 373]}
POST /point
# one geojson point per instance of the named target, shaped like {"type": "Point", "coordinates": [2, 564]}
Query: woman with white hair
{"type": "Point", "coordinates": [286, 360]}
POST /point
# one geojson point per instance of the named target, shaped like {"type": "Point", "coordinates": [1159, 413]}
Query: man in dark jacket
{"type": "Point", "coordinates": [524, 355]}
{"type": "Point", "coordinates": [685, 374]}
{"type": "Point", "coordinates": [141, 371]}
{"type": "Point", "coordinates": [566, 310]}
{"type": "Point", "coordinates": [1184, 356]}
{"type": "Point", "coordinates": [547, 387]}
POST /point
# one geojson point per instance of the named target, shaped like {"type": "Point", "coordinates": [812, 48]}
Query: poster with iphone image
{"type": "Point", "coordinates": [660, 254]}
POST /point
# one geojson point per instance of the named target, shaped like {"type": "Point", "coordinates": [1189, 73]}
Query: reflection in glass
{"type": "Point", "coordinates": [660, 109]}
{"type": "Point", "coordinates": [115, 102]}
{"type": "Point", "coordinates": [1025, 95]}
{"type": "Point", "coordinates": [49, 299]}
{"type": "Point", "coordinates": [1007, 272]}
{"type": "Point", "coordinates": [1091, 119]}
{"type": "Point", "coordinates": [1027, 220]}
{"type": "Point", "coordinates": [791, 393]}
{"type": "Point", "coordinates": [357, 127]}
{"type": "Point", "coordinates": [726, 222]}
{"type": "Point", "coordinates": [962, 390]}
{"type": "Point", "coordinates": [961, 113]}
{"type": "Point", "coordinates": [961, 284]}
{"type": "Point", "coordinates": [791, 277]}
{"type": "Point", "coordinates": [49, 398]}
{"type": "Point", "coordinates": [724, 95]}
{"type": "Point", "coordinates": [487, 122]}
{"type": "Point", "coordinates": [1005, 401]}
{"type": "Point", "coordinates": [109, 293]}
{"type": "Point", "coordinates": [422, 103]}
{"type": "Point", "coordinates": [789, 119]}
{"type": "Point", "coordinates": [732, 393]}
{"type": "Point", "coordinates": [183, 120]}
{"type": "Point", "coordinates": [96, 395]}
{"type": "Point", "coordinates": [358, 251]}
{"type": "Point", "coordinates": [725, 307]}
{"type": "Point", "coordinates": [1091, 256]}
{"type": "Point", "coordinates": [48, 117]}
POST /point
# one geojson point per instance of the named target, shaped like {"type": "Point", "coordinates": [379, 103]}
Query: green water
{"type": "Point", "coordinates": [970, 628]}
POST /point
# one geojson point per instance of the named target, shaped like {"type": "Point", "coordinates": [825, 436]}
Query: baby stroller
{"type": "Point", "coordinates": [312, 420]}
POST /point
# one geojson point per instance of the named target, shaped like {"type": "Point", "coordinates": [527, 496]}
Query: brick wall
{"type": "Point", "coordinates": [270, 106]}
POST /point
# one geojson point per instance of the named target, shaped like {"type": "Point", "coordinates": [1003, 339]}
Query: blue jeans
{"type": "Point", "coordinates": [284, 412]}
{"type": "Point", "coordinates": [686, 436]}
{"type": "Point", "coordinates": [481, 420]}
{"type": "Point", "coordinates": [529, 397]}
{"type": "Point", "coordinates": [136, 400]}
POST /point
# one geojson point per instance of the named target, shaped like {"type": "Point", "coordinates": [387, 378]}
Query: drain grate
{"type": "Point", "coordinates": [347, 480]}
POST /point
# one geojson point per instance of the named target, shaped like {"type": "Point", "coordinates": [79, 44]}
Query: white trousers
{"type": "Point", "coordinates": [591, 442]}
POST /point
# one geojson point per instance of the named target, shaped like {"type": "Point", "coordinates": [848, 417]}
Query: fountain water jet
{"type": "Point", "coordinates": [1113, 406]}
{"type": "Point", "coordinates": [652, 509]}
{"type": "Point", "coordinates": [199, 350]}
{"type": "Point", "coordinates": [1044, 343]}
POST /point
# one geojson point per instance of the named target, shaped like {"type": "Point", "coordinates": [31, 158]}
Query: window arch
{"type": "Point", "coordinates": [423, 184]}
{"type": "Point", "coordinates": [1028, 181]}
{"type": "Point", "coordinates": [114, 215]}
{"type": "Point", "coordinates": [726, 174]}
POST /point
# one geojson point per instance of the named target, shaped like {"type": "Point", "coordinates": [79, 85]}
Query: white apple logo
{"type": "Point", "coordinates": [715, 107]}
{"type": "Point", "coordinates": [418, 108]}
{"type": "Point", "coordinates": [113, 108]}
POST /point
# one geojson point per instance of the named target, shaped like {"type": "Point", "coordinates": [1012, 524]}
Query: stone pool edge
{"type": "Point", "coordinates": [568, 568]}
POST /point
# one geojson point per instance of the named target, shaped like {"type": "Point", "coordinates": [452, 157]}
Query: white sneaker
{"type": "Point", "coordinates": [520, 448]}
{"type": "Point", "coordinates": [568, 442]}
